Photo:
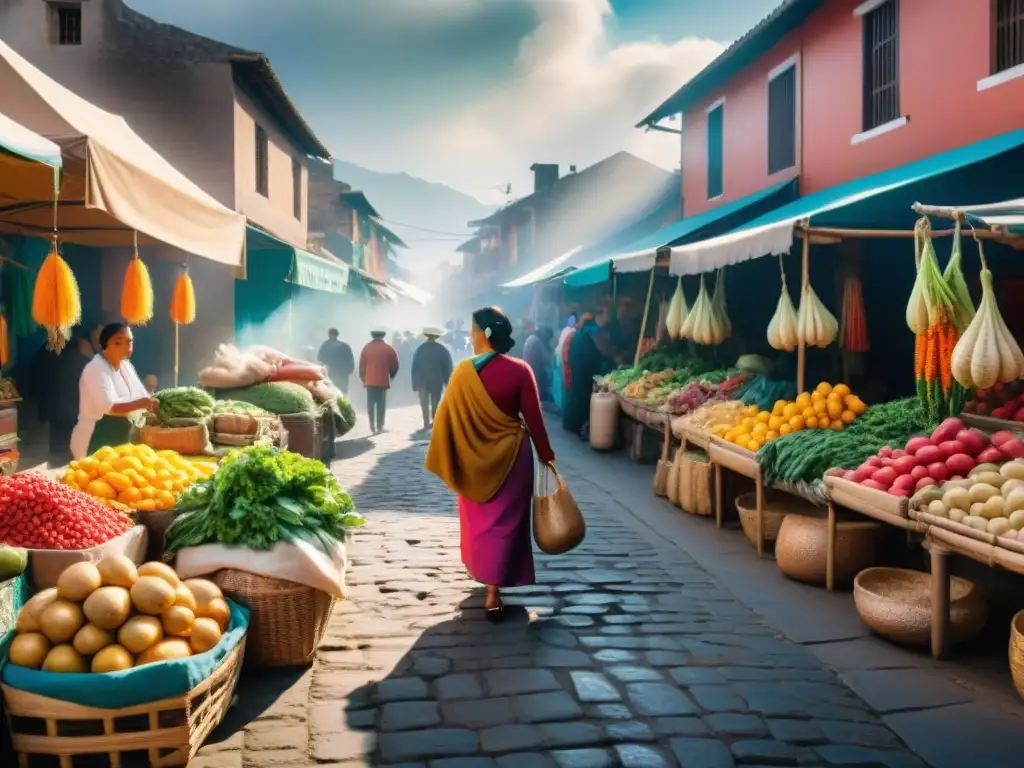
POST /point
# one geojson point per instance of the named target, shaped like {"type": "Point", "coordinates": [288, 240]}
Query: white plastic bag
{"type": "Point", "coordinates": [297, 561]}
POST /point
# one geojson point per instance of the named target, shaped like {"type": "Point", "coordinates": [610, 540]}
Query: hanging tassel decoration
{"type": "Point", "coordinates": [183, 300]}
{"type": "Point", "coordinates": [137, 294]}
{"type": "Point", "coordinates": [56, 302]}
{"type": "Point", "coordinates": [5, 341]}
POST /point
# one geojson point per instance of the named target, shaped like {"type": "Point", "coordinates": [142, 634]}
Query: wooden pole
{"type": "Point", "coordinates": [643, 323]}
{"type": "Point", "coordinates": [801, 350]}
{"type": "Point", "coordinates": [177, 352]}
{"type": "Point", "coordinates": [827, 232]}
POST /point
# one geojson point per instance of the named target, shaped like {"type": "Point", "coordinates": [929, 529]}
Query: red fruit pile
{"type": "Point", "coordinates": [36, 513]}
{"type": "Point", "coordinates": [1002, 401]}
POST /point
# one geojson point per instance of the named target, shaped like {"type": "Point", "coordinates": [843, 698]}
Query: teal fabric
{"type": "Point", "coordinates": [715, 127]}
{"type": "Point", "coordinates": [142, 685]}
{"type": "Point", "coordinates": [481, 360]}
{"type": "Point", "coordinates": [592, 275]}
{"type": "Point", "coordinates": [318, 274]}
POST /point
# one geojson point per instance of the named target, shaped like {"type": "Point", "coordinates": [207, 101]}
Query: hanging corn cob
{"type": "Point", "coordinates": [137, 294]}
{"type": "Point", "coordinates": [56, 302]}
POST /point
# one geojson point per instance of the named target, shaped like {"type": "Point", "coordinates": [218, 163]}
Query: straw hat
{"type": "Point", "coordinates": [432, 332]}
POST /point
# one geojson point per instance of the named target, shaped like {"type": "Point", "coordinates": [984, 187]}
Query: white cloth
{"type": "Point", "coordinates": [100, 388]}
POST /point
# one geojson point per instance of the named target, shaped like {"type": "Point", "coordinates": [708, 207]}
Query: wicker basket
{"type": "Point", "coordinates": [1017, 652]}
{"type": "Point", "coordinates": [672, 491]}
{"type": "Point", "coordinates": [235, 424]}
{"type": "Point", "coordinates": [162, 733]}
{"type": "Point", "coordinates": [695, 483]}
{"type": "Point", "coordinates": [287, 620]}
{"type": "Point", "coordinates": [188, 441]}
{"type": "Point", "coordinates": [664, 466]}
{"type": "Point", "coordinates": [897, 604]}
{"type": "Point", "coordinates": [776, 507]}
{"type": "Point", "coordinates": [801, 550]}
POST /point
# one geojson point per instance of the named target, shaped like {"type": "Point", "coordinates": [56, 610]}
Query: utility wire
{"type": "Point", "coordinates": [424, 229]}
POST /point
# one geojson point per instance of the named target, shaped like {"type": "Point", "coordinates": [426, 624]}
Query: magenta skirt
{"type": "Point", "coordinates": [495, 535]}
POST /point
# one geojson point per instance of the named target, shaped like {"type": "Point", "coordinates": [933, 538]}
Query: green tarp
{"type": "Point", "coordinates": [310, 271]}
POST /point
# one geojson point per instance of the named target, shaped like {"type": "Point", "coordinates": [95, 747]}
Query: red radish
{"type": "Point", "coordinates": [1019, 415]}
{"type": "Point", "coordinates": [1003, 412]}
{"type": "Point", "coordinates": [947, 430]}
{"type": "Point", "coordinates": [974, 440]}
{"type": "Point", "coordinates": [918, 472]}
{"type": "Point", "coordinates": [1000, 437]}
{"type": "Point", "coordinates": [904, 481]}
{"type": "Point", "coordinates": [950, 448]}
{"type": "Point", "coordinates": [924, 482]}
{"type": "Point", "coordinates": [887, 461]}
{"type": "Point", "coordinates": [884, 476]}
{"type": "Point", "coordinates": [917, 443]}
{"type": "Point", "coordinates": [905, 465]}
{"type": "Point", "coordinates": [929, 454]}
{"type": "Point", "coordinates": [885, 451]}
{"type": "Point", "coordinates": [980, 394]}
{"type": "Point", "coordinates": [863, 472]}
{"type": "Point", "coordinates": [960, 464]}
{"type": "Point", "coordinates": [938, 472]}
{"type": "Point", "coordinates": [1013, 448]}
{"type": "Point", "coordinates": [903, 493]}
{"type": "Point", "coordinates": [898, 454]}
{"type": "Point", "coordinates": [849, 475]}
{"type": "Point", "coordinates": [874, 461]}
{"type": "Point", "coordinates": [991, 455]}
{"type": "Point", "coordinates": [957, 477]}
{"type": "Point", "coordinates": [971, 407]}
{"type": "Point", "coordinates": [873, 485]}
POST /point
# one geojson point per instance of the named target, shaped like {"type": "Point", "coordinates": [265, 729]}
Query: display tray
{"type": "Point", "coordinates": [739, 460]}
{"type": "Point", "coordinates": [652, 417]}
{"type": "Point", "coordinates": [990, 424]}
{"type": "Point", "coordinates": [967, 532]}
{"type": "Point", "coordinates": [695, 437]}
{"type": "Point", "coordinates": [867, 501]}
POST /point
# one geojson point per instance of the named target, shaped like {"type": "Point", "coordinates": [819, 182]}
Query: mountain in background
{"type": "Point", "coordinates": [402, 199]}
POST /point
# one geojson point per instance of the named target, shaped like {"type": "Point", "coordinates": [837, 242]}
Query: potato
{"type": "Point", "coordinates": [1017, 519]}
{"type": "Point", "coordinates": [1015, 500]}
{"type": "Point", "coordinates": [998, 526]}
{"type": "Point", "coordinates": [974, 521]}
{"type": "Point", "coordinates": [957, 498]}
{"type": "Point", "coordinates": [957, 515]}
{"type": "Point", "coordinates": [975, 510]}
{"type": "Point", "coordinates": [1013, 470]}
{"type": "Point", "coordinates": [965, 484]}
{"type": "Point", "coordinates": [983, 468]}
{"type": "Point", "coordinates": [982, 492]}
{"type": "Point", "coordinates": [994, 479]}
{"type": "Point", "coordinates": [993, 508]}
{"type": "Point", "coordinates": [1011, 485]}
{"type": "Point", "coordinates": [925, 496]}
{"type": "Point", "coordinates": [938, 508]}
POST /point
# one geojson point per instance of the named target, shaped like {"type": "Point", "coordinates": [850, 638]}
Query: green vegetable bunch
{"type": "Point", "coordinates": [260, 496]}
{"type": "Point", "coordinates": [806, 455]}
{"type": "Point", "coordinates": [280, 397]}
{"type": "Point", "coordinates": [183, 403]}
{"type": "Point", "coordinates": [237, 406]}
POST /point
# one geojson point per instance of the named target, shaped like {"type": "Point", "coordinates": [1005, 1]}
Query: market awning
{"type": "Point", "coordinates": [16, 139]}
{"type": "Point", "coordinates": [307, 270]}
{"type": "Point", "coordinates": [411, 291]}
{"type": "Point", "coordinates": [113, 183]}
{"type": "Point", "coordinates": [544, 271]}
{"type": "Point", "coordinates": [882, 200]}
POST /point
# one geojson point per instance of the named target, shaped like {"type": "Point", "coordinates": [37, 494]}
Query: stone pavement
{"type": "Point", "coordinates": [626, 653]}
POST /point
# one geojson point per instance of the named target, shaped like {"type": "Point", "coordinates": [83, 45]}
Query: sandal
{"type": "Point", "coordinates": [495, 615]}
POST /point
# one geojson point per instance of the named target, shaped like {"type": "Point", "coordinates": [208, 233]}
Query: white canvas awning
{"type": "Point", "coordinates": [16, 139]}
{"type": "Point", "coordinates": [1004, 215]}
{"type": "Point", "coordinates": [113, 182]}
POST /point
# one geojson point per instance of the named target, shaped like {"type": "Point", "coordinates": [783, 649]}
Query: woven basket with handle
{"type": "Point", "coordinates": [188, 441]}
{"type": "Point", "coordinates": [287, 619]}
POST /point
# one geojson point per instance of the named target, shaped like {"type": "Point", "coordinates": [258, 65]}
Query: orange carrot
{"type": "Point", "coordinates": [920, 346]}
{"type": "Point", "coordinates": [931, 371]}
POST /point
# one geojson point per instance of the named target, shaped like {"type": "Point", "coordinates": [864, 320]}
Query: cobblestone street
{"type": "Point", "coordinates": [626, 653]}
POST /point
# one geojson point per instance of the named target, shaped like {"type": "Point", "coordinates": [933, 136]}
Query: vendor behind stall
{"type": "Point", "coordinates": [108, 390]}
{"type": "Point", "coordinates": [586, 360]}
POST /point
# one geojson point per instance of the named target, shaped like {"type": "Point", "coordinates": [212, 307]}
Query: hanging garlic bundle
{"type": "Point", "coordinates": [56, 302]}
{"type": "Point", "coordinates": [137, 293]}
{"type": "Point", "coordinates": [986, 353]}
{"type": "Point", "coordinates": [782, 330]}
{"type": "Point", "coordinates": [677, 312]}
{"type": "Point", "coordinates": [815, 325]}
{"type": "Point", "coordinates": [183, 300]}
{"type": "Point", "coordinates": [721, 325]}
{"type": "Point", "coordinates": [698, 322]}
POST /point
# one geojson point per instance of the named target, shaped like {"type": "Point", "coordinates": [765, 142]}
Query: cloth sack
{"type": "Point", "coordinates": [558, 524]}
{"type": "Point", "coordinates": [297, 561]}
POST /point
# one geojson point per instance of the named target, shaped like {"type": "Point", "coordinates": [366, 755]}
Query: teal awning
{"type": "Point", "coordinates": [973, 174]}
{"type": "Point", "coordinates": [591, 275]}
{"type": "Point", "coordinates": [306, 269]}
{"type": "Point", "coordinates": [19, 140]}
{"type": "Point", "coordinates": [318, 273]}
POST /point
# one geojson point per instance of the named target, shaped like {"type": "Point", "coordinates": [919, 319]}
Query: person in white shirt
{"type": "Point", "coordinates": [108, 391]}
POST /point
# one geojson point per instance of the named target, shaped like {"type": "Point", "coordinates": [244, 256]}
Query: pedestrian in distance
{"type": "Point", "coordinates": [378, 366]}
{"type": "Point", "coordinates": [337, 356]}
{"type": "Point", "coordinates": [431, 369]}
{"type": "Point", "coordinates": [481, 451]}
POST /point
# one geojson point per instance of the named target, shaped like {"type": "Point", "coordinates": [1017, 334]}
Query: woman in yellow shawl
{"type": "Point", "coordinates": [479, 448]}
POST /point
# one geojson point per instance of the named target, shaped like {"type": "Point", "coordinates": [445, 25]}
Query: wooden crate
{"type": "Point", "coordinates": [163, 733]}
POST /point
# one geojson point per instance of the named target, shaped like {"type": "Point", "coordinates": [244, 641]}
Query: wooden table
{"type": "Point", "coordinates": [725, 455]}
{"type": "Point", "coordinates": [878, 505]}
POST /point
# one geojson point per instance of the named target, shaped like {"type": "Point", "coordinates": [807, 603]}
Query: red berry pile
{"type": "Point", "coordinates": [36, 513]}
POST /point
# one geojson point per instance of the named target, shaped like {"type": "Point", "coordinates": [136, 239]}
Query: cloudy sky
{"type": "Point", "coordinates": [471, 92]}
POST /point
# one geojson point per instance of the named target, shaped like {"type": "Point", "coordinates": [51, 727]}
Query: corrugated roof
{"type": "Point", "coordinates": [790, 15]}
{"type": "Point", "coordinates": [358, 201]}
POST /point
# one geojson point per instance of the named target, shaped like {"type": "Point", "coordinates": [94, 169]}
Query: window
{"type": "Point", "coordinates": [67, 20]}
{"type": "Point", "coordinates": [715, 117]}
{"type": "Point", "coordinates": [262, 162]}
{"type": "Point", "coordinates": [297, 189]}
{"type": "Point", "coordinates": [1009, 34]}
{"type": "Point", "coordinates": [881, 65]}
{"type": "Point", "coordinates": [782, 120]}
